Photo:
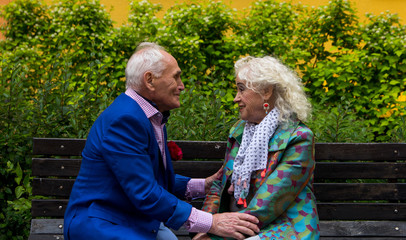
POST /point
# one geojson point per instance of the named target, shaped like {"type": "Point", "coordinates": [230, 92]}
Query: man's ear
{"type": "Point", "coordinates": [149, 81]}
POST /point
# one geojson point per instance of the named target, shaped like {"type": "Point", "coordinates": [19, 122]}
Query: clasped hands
{"type": "Point", "coordinates": [233, 224]}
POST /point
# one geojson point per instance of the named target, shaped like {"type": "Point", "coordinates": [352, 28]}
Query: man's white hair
{"type": "Point", "coordinates": [262, 73]}
{"type": "Point", "coordinates": [147, 57]}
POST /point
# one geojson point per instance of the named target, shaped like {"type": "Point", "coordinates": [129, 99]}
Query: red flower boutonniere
{"type": "Point", "coordinates": [175, 151]}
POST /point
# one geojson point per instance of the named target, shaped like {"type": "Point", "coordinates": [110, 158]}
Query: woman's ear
{"type": "Point", "coordinates": [268, 92]}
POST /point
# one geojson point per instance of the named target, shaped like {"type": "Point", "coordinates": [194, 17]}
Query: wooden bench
{"type": "Point", "coordinates": [360, 187]}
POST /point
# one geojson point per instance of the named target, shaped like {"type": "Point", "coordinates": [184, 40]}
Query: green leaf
{"type": "Point", "coordinates": [394, 82]}
{"type": "Point", "coordinates": [19, 191]}
{"type": "Point", "coordinates": [19, 173]}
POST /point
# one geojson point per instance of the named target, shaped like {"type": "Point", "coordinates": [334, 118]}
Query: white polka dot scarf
{"type": "Point", "coordinates": [253, 153]}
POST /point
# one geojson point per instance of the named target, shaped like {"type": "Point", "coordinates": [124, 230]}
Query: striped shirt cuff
{"type": "Point", "coordinates": [195, 189]}
{"type": "Point", "coordinates": [199, 221]}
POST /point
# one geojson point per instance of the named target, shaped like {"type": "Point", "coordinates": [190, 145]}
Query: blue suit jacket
{"type": "Point", "coordinates": [122, 190]}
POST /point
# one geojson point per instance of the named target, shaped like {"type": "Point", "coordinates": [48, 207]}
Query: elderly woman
{"type": "Point", "coordinates": [269, 163]}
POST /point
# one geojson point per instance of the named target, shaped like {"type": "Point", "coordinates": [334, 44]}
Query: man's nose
{"type": "Point", "coordinates": [181, 86]}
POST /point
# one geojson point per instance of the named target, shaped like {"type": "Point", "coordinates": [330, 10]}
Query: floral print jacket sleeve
{"type": "Point", "coordinates": [283, 199]}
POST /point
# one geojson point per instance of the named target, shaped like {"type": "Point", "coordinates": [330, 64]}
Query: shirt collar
{"type": "Point", "coordinates": [165, 115]}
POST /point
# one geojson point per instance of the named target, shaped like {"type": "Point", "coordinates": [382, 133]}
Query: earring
{"type": "Point", "coordinates": [266, 107]}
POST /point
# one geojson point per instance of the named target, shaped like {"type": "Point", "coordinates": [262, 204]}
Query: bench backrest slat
{"type": "Point", "coordinates": [45, 167]}
{"type": "Point", "coordinates": [327, 211]}
{"type": "Point", "coordinates": [360, 191]}
{"type": "Point", "coordinates": [52, 187]}
{"type": "Point", "coordinates": [361, 151]}
{"type": "Point", "coordinates": [359, 170]}
{"type": "Point", "coordinates": [361, 211]}
{"type": "Point", "coordinates": [323, 191]}
{"type": "Point", "coordinates": [58, 146]}
{"type": "Point", "coordinates": [216, 150]}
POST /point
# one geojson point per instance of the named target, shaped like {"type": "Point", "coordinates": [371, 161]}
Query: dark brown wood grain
{"type": "Point", "coordinates": [64, 167]}
{"type": "Point", "coordinates": [52, 187]}
{"type": "Point", "coordinates": [48, 207]}
{"type": "Point", "coordinates": [363, 229]}
{"type": "Point", "coordinates": [361, 151]}
{"type": "Point", "coordinates": [327, 211]}
{"type": "Point", "coordinates": [47, 167]}
{"type": "Point", "coordinates": [361, 211]}
{"type": "Point", "coordinates": [58, 146]}
{"type": "Point", "coordinates": [360, 191]}
{"type": "Point", "coordinates": [216, 150]}
{"type": "Point", "coordinates": [323, 191]}
{"type": "Point", "coordinates": [360, 170]}
{"type": "Point", "coordinates": [360, 187]}
{"type": "Point", "coordinates": [330, 230]}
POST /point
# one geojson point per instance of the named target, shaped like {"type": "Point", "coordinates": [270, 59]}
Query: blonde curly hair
{"type": "Point", "coordinates": [262, 73]}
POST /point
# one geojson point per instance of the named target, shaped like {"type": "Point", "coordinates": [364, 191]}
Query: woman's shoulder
{"type": "Point", "coordinates": [290, 132]}
{"type": "Point", "coordinates": [237, 129]}
{"type": "Point", "coordinates": [302, 128]}
{"type": "Point", "coordinates": [295, 126]}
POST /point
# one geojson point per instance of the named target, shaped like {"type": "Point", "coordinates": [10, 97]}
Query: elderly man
{"type": "Point", "coordinates": [126, 187]}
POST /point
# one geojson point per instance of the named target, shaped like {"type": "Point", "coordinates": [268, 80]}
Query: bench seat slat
{"type": "Point", "coordinates": [361, 238]}
{"type": "Point", "coordinates": [180, 236]}
{"type": "Point", "coordinates": [328, 228]}
{"type": "Point", "coordinates": [363, 228]}
{"type": "Point", "coordinates": [46, 237]}
{"type": "Point", "coordinates": [46, 226]}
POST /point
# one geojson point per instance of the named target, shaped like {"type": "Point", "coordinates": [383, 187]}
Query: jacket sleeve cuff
{"type": "Point", "coordinates": [180, 215]}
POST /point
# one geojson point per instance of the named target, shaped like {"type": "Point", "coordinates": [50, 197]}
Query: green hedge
{"type": "Point", "coordinates": [64, 63]}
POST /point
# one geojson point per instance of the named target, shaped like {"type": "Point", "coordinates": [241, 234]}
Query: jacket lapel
{"type": "Point", "coordinates": [279, 140]}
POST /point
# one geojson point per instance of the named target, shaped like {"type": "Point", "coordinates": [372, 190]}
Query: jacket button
{"type": "Point", "coordinates": [153, 231]}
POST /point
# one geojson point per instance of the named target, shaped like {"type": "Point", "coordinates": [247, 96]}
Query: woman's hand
{"type": "Point", "coordinates": [209, 180]}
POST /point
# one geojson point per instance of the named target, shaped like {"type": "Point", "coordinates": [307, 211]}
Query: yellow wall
{"type": "Point", "coordinates": [3, 2]}
{"type": "Point", "coordinates": [121, 7]}
{"type": "Point", "coordinates": [120, 10]}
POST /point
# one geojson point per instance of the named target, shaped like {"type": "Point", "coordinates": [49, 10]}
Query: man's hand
{"type": "Point", "coordinates": [235, 225]}
{"type": "Point", "coordinates": [209, 181]}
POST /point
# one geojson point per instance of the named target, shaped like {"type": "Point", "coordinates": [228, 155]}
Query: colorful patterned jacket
{"type": "Point", "coordinates": [283, 199]}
